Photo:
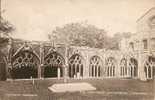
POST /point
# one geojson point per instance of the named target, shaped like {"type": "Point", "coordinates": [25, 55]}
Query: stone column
{"type": "Point", "coordinates": [9, 60]}
{"type": "Point", "coordinates": [58, 72]}
{"type": "Point", "coordinates": [97, 71]}
{"type": "Point", "coordinates": [109, 71]}
{"type": "Point", "coordinates": [128, 67]}
{"type": "Point", "coordinates": [151, 71]}
{"type": "Point", "coordinates": [141, 72]}
{"type": "Point", "coordinates": [40, 67]}
{"type": "Point", "coordinates": [112, 72]}
{"type": "Point", "coordinates": [39, 71]}
{"type": "Point", "coordinates": [71, 70]}
{"type": "Point", "coordinates": [80, 70]}
{"type": "Point", "coordinates": [147, 72]}
{"type": "Point", "coordinates": [93, 71]}
{"type": "Point", "coordinates": [75, 68]}
{"type": "Point", "coordinates": [8, 69]}
{"type": "Point", "coordinates": [86, 64]}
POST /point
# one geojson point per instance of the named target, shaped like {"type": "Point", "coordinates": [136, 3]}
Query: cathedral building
{"type": "Point", "coordinates": [39, 59]}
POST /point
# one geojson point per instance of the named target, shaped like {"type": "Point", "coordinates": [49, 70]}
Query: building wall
{"type": "Point", "coordinates": [131, 61]}
{"type": "Point", "coordinates": [143, 42]}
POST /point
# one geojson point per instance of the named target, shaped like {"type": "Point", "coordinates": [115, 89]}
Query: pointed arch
{"type": "Point", "coordinates": [95, 66]}
{"type": "Point", "coordinates": [25, 47]}
{"type": "Point", "coordinates": [133, 67]}
{"type": "Point", "coordinates": [123, 67]}
{"type": "Point", "coordinates": [53, 63]}
{"type": "Point", "coordinates": [76, 66]}
{"type": "Point", "coordinates": [24, 65]}
{"type": "Point", "coordinates": [149, 67]}
{"type": "Point", "coordinates": [110, 66]}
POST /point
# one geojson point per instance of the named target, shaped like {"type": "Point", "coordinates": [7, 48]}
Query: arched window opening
{"type": "Point", "coordinates": [149, 68]}
{"type": "Point", "coordinates": [24, 65]}
{"type": "Point", "coordinates": [94, 68]}
{"type": "Point", "coordinates": [133, 67]}
{"type": "Point", "coordinates": [123, 67]}
{"type": "Point", "coordinates": [145, 44]}
{"type": "Point", "coordinates": [110, 67]}
{"type": "Point", "coordinates": [75, 66]}
{"type": "Point", "coordinates": [131, 45]}
{"type": "Point", "coordinates": [53, 65]}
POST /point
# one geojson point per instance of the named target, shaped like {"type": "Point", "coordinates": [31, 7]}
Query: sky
{"type": "Point", "coordinates": [34, 19]}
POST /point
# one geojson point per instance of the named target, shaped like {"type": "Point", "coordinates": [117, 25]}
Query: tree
{"type": "Point", "coordinates": [115, 40]}
{"type": "Point", "coordinates": [79, 34]}
{"type": "Point", "coordinates": [5, 29]}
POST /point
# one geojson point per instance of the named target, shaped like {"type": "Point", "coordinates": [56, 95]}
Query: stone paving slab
{"type": "Point", "coordinates": [71, 87]}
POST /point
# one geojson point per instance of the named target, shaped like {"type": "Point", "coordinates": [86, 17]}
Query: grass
{"type": "Point", "coordinates": [103, 85]}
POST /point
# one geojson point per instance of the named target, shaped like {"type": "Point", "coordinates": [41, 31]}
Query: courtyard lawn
{"type": "Point", "coordinates": [107, 89]}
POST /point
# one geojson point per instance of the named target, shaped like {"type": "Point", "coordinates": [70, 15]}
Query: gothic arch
{"type": "Point", "coordinates": [24, 65]}
{"type": "Point", "coordinates": [133, 67]}
{"type": "Point", "coordinates": [53, 63]}
{"type": "Point", "coordinates": [26, 47]}
{"type": "Point", "coordinates": [95, 66]}
{"type": "Point", "coordinates": [110, 66]}
{"type": "Point", "coordinates": [123, 67]}
{"type": "Point", "coordinates": [76, 66]}
{"type": "Point", "coordinates": [149, 67]}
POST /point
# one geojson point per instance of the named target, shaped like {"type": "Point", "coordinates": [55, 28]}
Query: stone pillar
{"type": "Point", "coordinates": [128, 67]}
{"type": "Point", "coordinates": [112, 72]}
{"type": "Point", "coordinates": [9, 60]}
{"type": "Point", "coordinates": [66, 65]}
{"type": "Point", "coordinates": [109, 71]}
{"type": "Point", "coordinates": [40, 67]}
{"type": "Point", "coordinates": [58, 72]}
{"type": "Point", "coordinates": [39, 71]}
{"type": "Point", "coordinates": [141, 70]}
{"type": "Point", "coordinates": [86, 65]}
{"type": "Point", "coordinates": [147, 72]}
{"type": "Point", "coordinates": [75, 70]}
{"type": "Point", "coordinates": [97, 71]}
{"type": "Point", "coordinates": [130, 71]}
{"type": "Point", "coordinates": [80, 70]}
{"type": "Point", "coordinates": [151, 72]}
{"type": "Point", "coordinates": [65, 74]}
{"type": "Point", "coordinates": [93, 71]}
{"type": "Point", "coordinates": [141, 58]}
{"type": "Point", "coordinates": [8, 70]}
{"type": "Point", "coordinates": [133, 70]}
{"type": "Point", "coordinates": [71, 70]}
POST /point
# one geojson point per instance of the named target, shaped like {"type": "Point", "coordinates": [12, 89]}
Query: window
{"type": "Point", "coordinates": [145, 44]}
{"type": "Point", "coordinates": [131, 46]}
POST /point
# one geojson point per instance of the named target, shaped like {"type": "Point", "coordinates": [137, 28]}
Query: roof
{"type": "Point", "coordinates": [153, 8]}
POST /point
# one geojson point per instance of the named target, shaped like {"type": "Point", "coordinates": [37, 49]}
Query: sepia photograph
{"type": "Point", "coordinates": [77, 49]}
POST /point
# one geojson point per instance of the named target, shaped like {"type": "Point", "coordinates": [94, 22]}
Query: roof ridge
{"type": "Point", "coordinates": [145, 13]}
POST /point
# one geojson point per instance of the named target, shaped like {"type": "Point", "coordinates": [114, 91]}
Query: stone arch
{"type": "Point", "coordinates": [53, 65]}
{"type": "Point", "coordinates": [110, 66]}
{"type": "Point", "coordinates": [24, 65]}
{"type": "Point", "coordinates": [26, 47]}
{"type": "Point", "coordinates": [123, 67]}
{"type": "Point", "coordinates": [95, 66]}
{"type": "Point", "coordinates": [76, 66]}
{"type": "Point", "coordinates": [149, 67]}
{"type": "Point", "coordinates": [133, 67]}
